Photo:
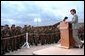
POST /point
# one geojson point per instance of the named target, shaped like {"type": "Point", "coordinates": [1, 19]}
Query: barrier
{"type": "Point", "coordinates": [16, 42]}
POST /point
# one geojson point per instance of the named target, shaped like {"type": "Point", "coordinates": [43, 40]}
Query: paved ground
{"type": "Point", "coordinates": [57, 50]}
{"type": "Point", "coordinates": [51, 48]}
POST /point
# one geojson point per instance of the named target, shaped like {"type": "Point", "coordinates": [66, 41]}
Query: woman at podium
{"type": "Point", "coordinates": [74, 22]}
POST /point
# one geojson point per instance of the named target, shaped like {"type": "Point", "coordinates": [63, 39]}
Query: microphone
{"type": "Point", "coordinates": [65, 18]}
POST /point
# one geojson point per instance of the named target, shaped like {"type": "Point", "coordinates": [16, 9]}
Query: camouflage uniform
{"type": "Point", "coordinates": [18, 39]}
{"type": "Point", "coordinates": [57, 35]}
{"type": "Point", "coordinates": [23, 38]}
{"type": "Point", "coordinates": [42, 38]}
{"type": "Point", "coordinates": [48, 36]}
{"type": "Point", "coordinates": [2, 42]}
{"type": "Point", "coordinates": [30, 36]}
{"type": "Point", "coordinates": [36, 37]}
{"type": "Point", "coordinates": [5, 42]}
{"type": "Point", "coordinates": [13, 39]}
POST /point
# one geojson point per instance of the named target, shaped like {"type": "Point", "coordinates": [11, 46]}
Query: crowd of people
{"type": "Point", "coordinates": [81, 32]}
{"type": "Point", "coordinates": [12, 38]}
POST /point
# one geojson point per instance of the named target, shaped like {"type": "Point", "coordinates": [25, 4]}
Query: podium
{"type": "Point", "coordinates": [67, 40]}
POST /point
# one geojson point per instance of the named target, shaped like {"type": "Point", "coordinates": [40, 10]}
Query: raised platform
{"type": "Point", "coordinates": [57, 50]}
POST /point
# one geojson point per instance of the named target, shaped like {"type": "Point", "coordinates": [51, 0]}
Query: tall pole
{"type": "Point", "coordinates": [26, 44]}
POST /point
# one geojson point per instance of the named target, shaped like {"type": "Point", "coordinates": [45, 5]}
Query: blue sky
{"type": "Point", "coordinates": [46, 12]}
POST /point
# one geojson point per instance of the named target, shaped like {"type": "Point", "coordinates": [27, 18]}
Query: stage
{"type": "Point", "coordinates": [48, 49]}
{"type": "Point", "coordinates": [58, 50]}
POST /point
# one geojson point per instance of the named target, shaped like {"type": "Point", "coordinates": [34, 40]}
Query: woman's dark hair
{"type": "Point", "coordinates": [73, 10]}
{"type": "Point", "coordinates": [65, 18]}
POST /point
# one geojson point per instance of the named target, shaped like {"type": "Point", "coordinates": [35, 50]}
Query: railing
{"type": "Point", "coordinates": [15, 42]}
{"type": "Point", "coordinates": [12, 43]}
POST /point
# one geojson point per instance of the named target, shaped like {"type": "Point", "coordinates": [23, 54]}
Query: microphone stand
{"type": "Point", "coordinates": [26, 44]}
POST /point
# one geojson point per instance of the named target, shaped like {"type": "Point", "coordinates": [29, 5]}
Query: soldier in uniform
{"type": "Point", "coordinates": [30, 37]}
{"type": "Point", "coordinates": [80, 33]}
{"type": "Point", "coordinates": [2, 28]}
{"type": "Point", "coordinates": [18, 32]}
{"type": "Point", "coordinates": [13, 39]}
{"type": "Point", "coordinates": [57, 35]}
{"type": "Point", "coordinates": [46, 36]}
{"type": "Point", "coordinates": [52, 33]}
{"type": "Point", "coordinates": [2, 42]}
{"type": "Point", "coordinates": [24, 31]}
{"type": "Point", "coordinates": [5, 42]}
{"type": "Point", "coordinates": [36, 37]}
{"type": "Point", "coordinates": [42, 36]}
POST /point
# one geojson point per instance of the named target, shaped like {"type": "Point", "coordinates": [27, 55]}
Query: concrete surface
{"type": "Point", "coordinates": [47, 49]}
